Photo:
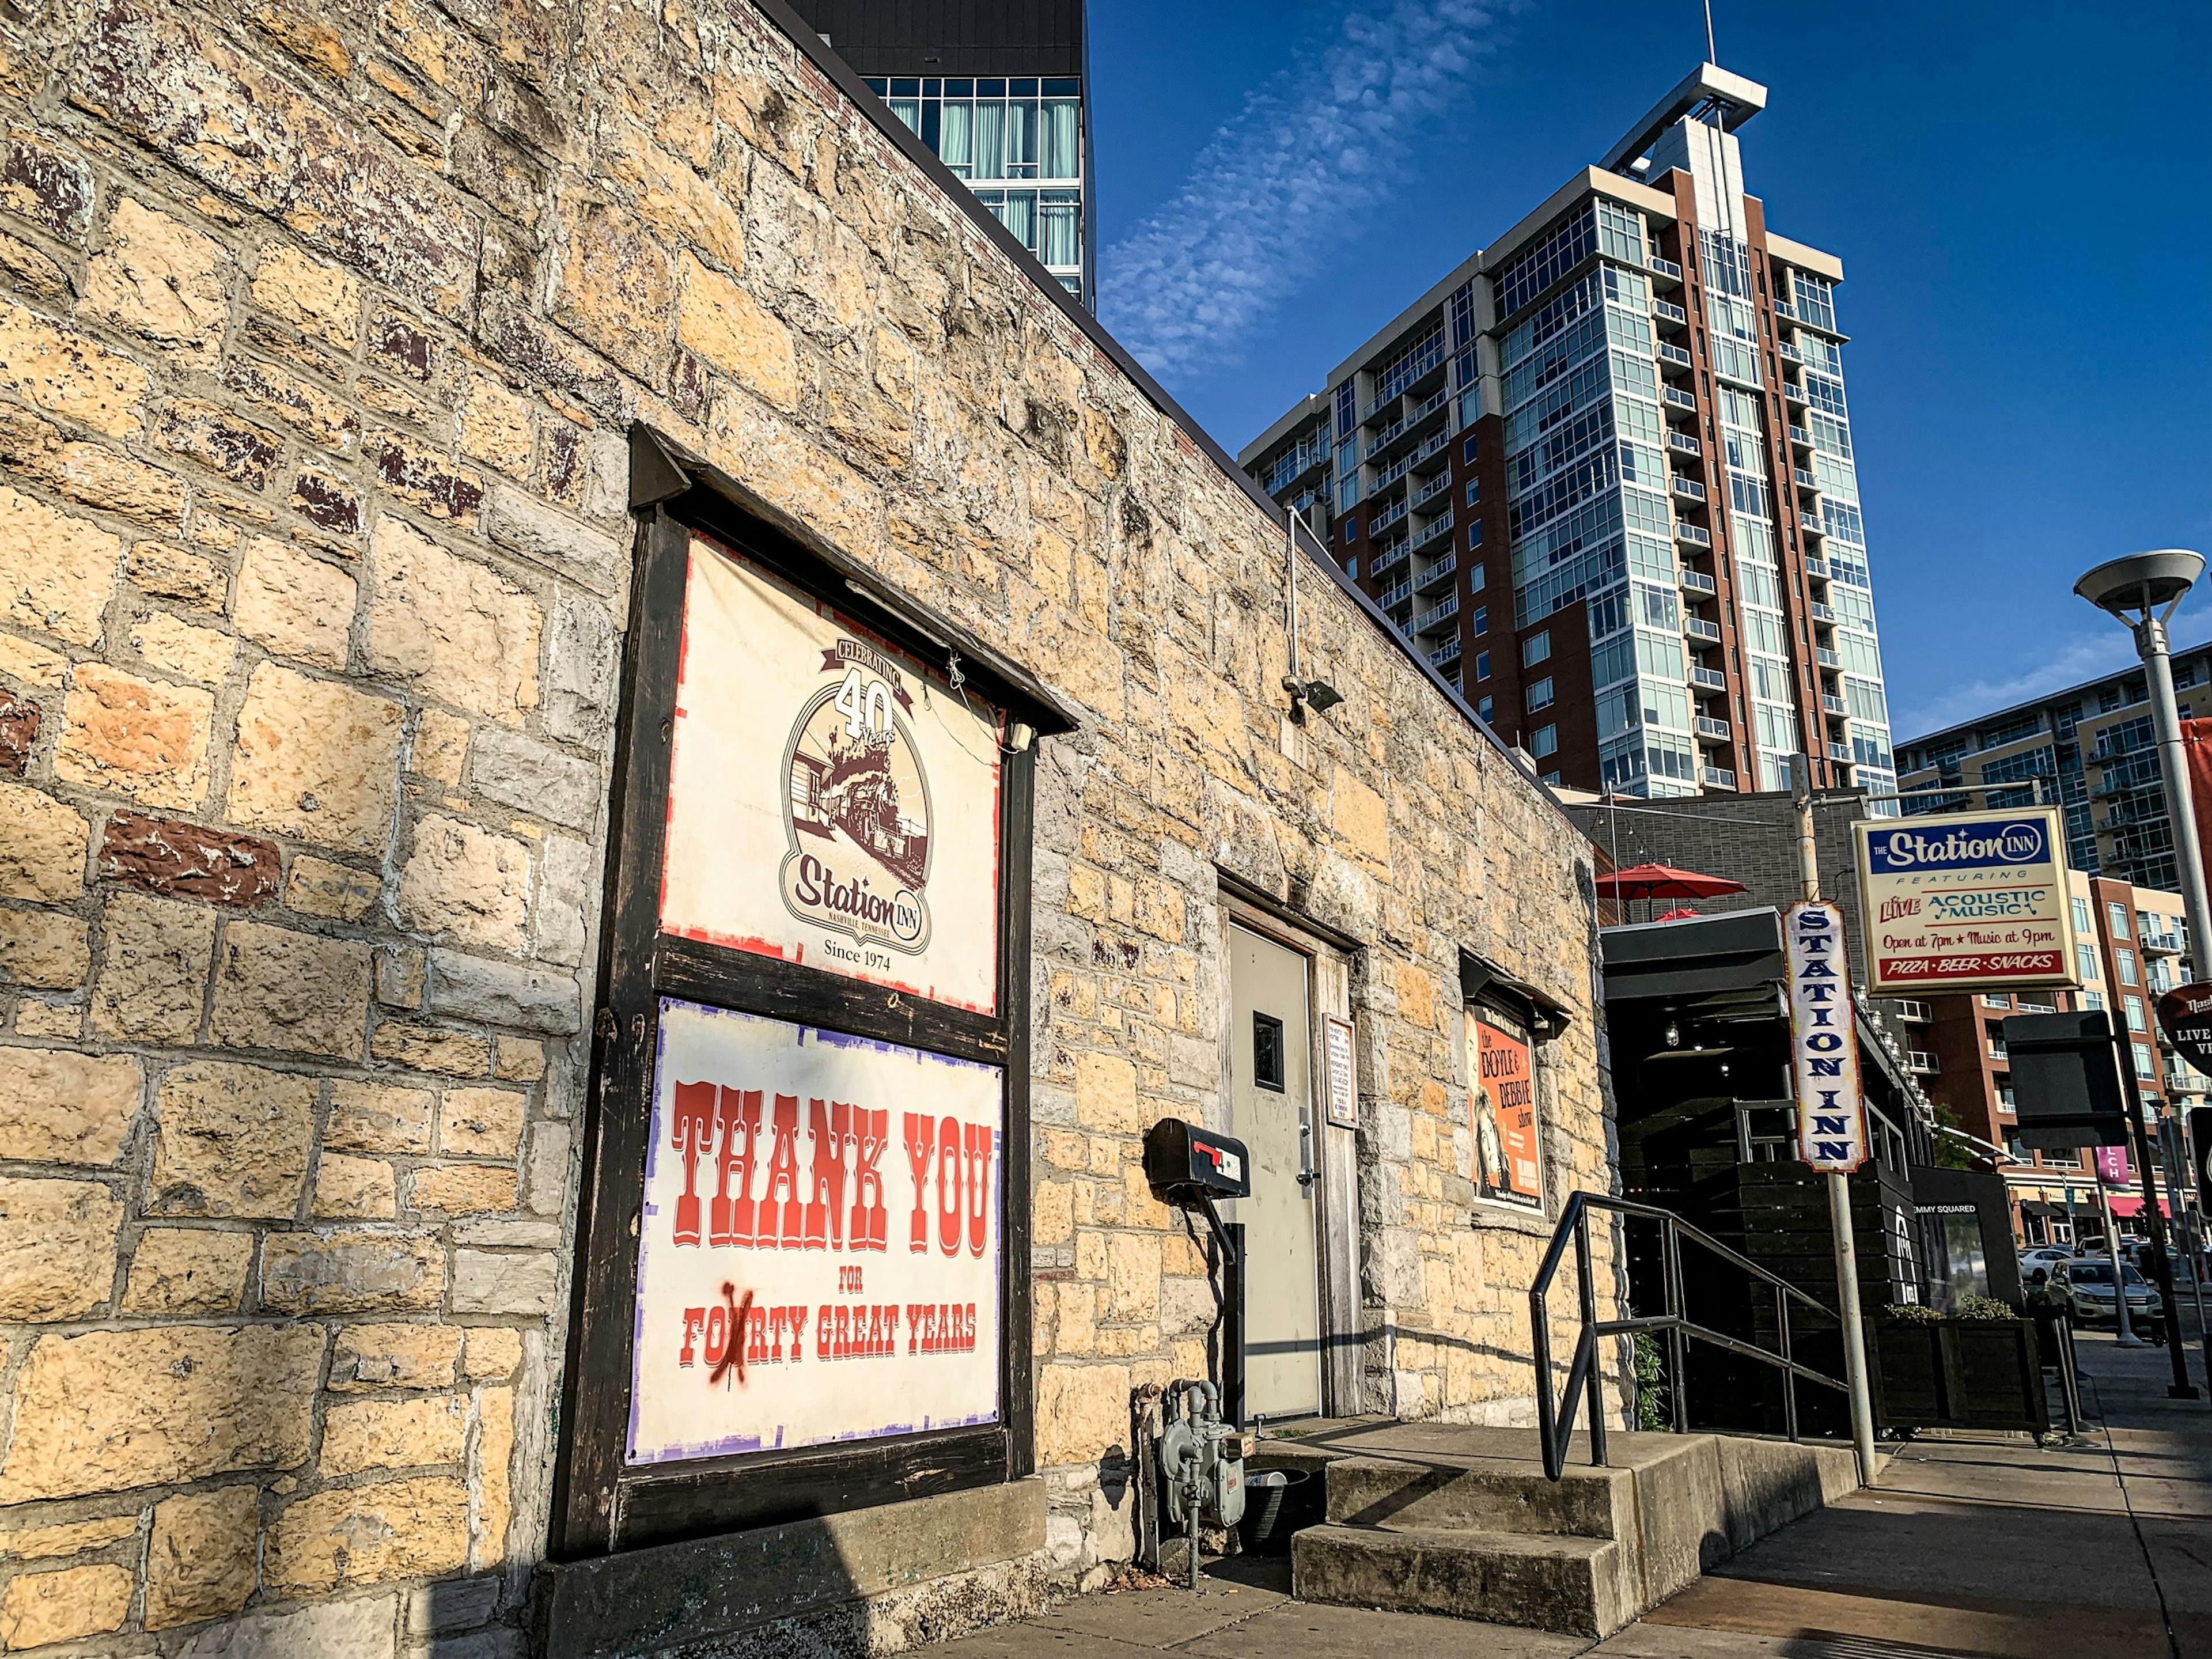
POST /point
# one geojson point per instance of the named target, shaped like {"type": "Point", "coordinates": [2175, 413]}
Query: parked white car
{"type": "Point", "coordinates": [2035, 1265]}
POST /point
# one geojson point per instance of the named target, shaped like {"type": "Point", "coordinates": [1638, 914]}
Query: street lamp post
{"type": "Point", "coordinates": [2144, 590]}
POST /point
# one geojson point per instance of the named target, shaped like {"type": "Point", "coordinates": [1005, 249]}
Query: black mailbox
{"type": "Point", "coordinates": [1189, 1167]}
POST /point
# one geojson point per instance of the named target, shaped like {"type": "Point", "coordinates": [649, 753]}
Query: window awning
{"type": "Point", "coordinates": [1481, 979]}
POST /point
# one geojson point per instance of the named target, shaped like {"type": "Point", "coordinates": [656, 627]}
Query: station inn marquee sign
{"type": "Point", "coordinates": [1964, 902]}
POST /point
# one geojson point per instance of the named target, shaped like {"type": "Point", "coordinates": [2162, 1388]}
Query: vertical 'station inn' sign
{"type": "Point", "coordinates": [820, 1246]}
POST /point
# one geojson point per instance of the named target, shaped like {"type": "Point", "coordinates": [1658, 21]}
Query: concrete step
{"type": "Point", "coordinates": [1482, 1494]}
{"type": "Point", "coordinates": [1570, 1584]}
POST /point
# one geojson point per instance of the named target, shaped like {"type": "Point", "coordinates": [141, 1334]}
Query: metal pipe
{"type": "Point", "coordinates": [2177, 1355]}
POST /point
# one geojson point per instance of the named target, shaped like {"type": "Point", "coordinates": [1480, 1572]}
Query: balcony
{"type": "Point", "coordinates": [1806, 479]}
{"type": "Point", "coordinates": [1382, 520]}
{"type": "Point", "coordinates": [2158, 945]}
{"type": "Point", "coordinates": [1445, 654]}
{"type": "Point", "coordinates": [1821, 613]}
{"type": "Point", "coordinates": [1834, 705]}
{"type": "Point", "coordinates": [1292, 466]}
{"type": "Point", "coordinates": [1667, 270]}
{"type": "Point", "coordinates": [1921, 1063]}
{"type": "Point", "coordinates": [1668, 314]}
{"type": "Point", "coordinates": [1802, 438]}
{"type": "Point", "coordinates": [1713, 729]}
{"type": "Point", "coordinates": [1840, 751]}
{"type": "Point", "coordinates": [1695, 581]}
{"type": "Point", "coordinates": [1698, 628]}
{"type": "Point", "coordinates": [1811, 526]}
{"type": "Point", "coordinates": [1437, 615]}
{"type": "Point", "coordinates": [1386, 560]}
{"type": "Point", "coordinates": [1916, 1011]}
{"type": "Point", "coordinates": [1397, 594]}
{"type": "Point", "coordinates": [1429, 491]}
{"type": "Point", "coordinates": [1438, 575]}
{"type": "Point", "coordinates": [1673, 355]}
{"type": "Point", "coordinates": [1675, 397]}
{"type": "Point", "coordinates": [1683, 444]}
{"type": "Point", "coordinates": [1717, 777]}
{"type": "Point", "coordinates": [1789, 354]}
{"type": "Point", "coordinates": [1692, 535]}
{"type": "Point", "coordinates": [1406, 424]}
{"type": "Point", "coordinates": [1405, 464]}
{"type": "Point", "coordinates": [1827, 658]}
{"type": "Point", "coordinates": [1689, 488]}
{"type": "Point", "coordinates": [1817, 566]}
{"type": "Point", "coordinates": [1708, 679]}
{"type": "Point", "coordinates": [1435, 532]}
{"type": "Point", "coordinates": [1792, 392]}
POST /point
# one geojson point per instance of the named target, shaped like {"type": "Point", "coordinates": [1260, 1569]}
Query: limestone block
{"type": "Point", "coordinates": [500, 993]}
{"type": "Point", "coordinates": [277, 988]}
{"type": "Point", "coordinates": [317, 887]}
{"type": "Point", "coordinates": [200, 1565]}
{"type": "Point", "coordinates": [176, 573]}
{"type": "Point", "coordinates": [162, 280]}
{"type": "Point", "coordinates": [358, 1627]}
{"type": "Point", "coordinates": [215, 437]}
{"type": "Point", "coordinates": [113, 1410]}
{"type": "Point", "coordinates": [417, 473]}
{"type": "Point", "coordinates": [394, 1434]}
{"type": "Point", "coordinates": [494, 1455]}
{"type": "Point", "coordinates": [43, 843]}
{"type": "Point", "coordinates": [40, 1607]}
{"type": "Point", "coordinates": [232, 1140]}
{"type": "Point", "coordinates": [375, 1117]}
{"type": "Point", "coordinates": [493, 1353]}
{"type": "Point", "coordinates": [297, 605]}
{"type": "Point", "coordinates": [1081, 1410]}
{"type": "Point", "coordinates": [48, 186]}
{"type": "Point", "coordinates": [135, 737]}
{"type": "Point", "coordinates": [57, 1247]}
{"type": "Point", "coordinates": [169, 642]}
{"type": "Point", "coordinates": [466, 884]}
{"type": "Point", "coordinates": [396, 1356]}
{"type": "Point", "coordinates": [526, 1284]}
{"type": "Point", "coordinates": [417, 1527]}
{"type": "Point", "coordinates": [334, 1271]}
{"type": "Point", "coordinates": [529, 529]}
{"type": "Point", "coordinates": [316, 760]}
{"type": "Point", "coordinates": [426, 1048]}
{"type": "Point", "coordinates": [69, 374]}
{"type": "Point", "coordinates": [188, 1270]}
{"type": "Point", "coordinates": [440, 747]}
{"type": "Point", "coordinates": [581, 665]}
{"type": "Point", "coordinates": [547, 1167]}
{"type": "Point", "coordinates": [44, 949]}
{"type": "Point", "coordinates": [34, 665]}
{"type": "Point", "coordinates": [154, 961]}
{"type": "Point", "coordinates": [569, 872]}
{"type": "Point", "coordinates": [33, 272]}
{"type": "Point", "coordinates": [618, 288]}
{"type": "Point", "coordinates": [322, 300]}
{"type": "Point", "coordinates": [72, 1538]}
{"type": "Point", "coordinates": [36, 1018]}
{"type": "Point", "coordinates": [1132, 1269]}
{"type": "Point", "coordinates": [462, 1189]}
{"type": "Point", "coordinates": [1106, 1093]}
{"type": "Point", "coordinates": [455, 629]}
{"type": "Point", "coordinates": [729, 328]}
{"type": "Point", "coordinates": [481, 1122]}
{"type": "Point", "coordinates": [521, 1060]}
{"type": "Point", "coordinates": [535, 778]}
{"type": "Point", "coordinates": [496, 427]}
{"type": "Point", "coordinates": [62, 1108]}
{"type": "Point", "coordinates": [300, 403]}
{"type": "Point", "coordinates": [358, 1187]}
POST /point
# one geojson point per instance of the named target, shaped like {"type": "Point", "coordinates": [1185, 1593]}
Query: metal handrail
{"type": "Point", "coordinates": [1555, 1420]}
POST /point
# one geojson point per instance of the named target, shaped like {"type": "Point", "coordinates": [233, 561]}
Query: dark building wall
{"type": "Point", "coordinates": [952, 37]}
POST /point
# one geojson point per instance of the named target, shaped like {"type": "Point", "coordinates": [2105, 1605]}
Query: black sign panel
{"type": "Point", "coordinates": [2066, 1080]}
{"type": "Point", "coordinates": [2200, 1143]}
{"type": "Point", "coordinates": [2185, 1016]}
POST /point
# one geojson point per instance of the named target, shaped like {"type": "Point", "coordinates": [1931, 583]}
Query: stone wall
{"type": "Point", "coordinates": [320, 329]}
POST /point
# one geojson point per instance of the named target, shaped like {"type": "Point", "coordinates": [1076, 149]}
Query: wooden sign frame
{"type": "Point", "coordinates": [601, 1504]}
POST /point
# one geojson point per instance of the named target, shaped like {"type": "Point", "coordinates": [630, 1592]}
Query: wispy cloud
{"type": "Point", "coordinates": [1309, 150]}
{"type": "Point", "coordinates": [2095, 651]}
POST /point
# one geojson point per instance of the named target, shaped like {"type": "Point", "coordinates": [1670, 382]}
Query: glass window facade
{"type": "Point", "coordinates": [1018, 142]}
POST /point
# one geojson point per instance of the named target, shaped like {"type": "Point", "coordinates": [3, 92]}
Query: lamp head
{"type": "Point", "coordinates": [2140, 584]}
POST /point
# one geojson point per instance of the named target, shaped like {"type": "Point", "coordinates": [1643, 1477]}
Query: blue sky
{"type": "Point", "coordinates": [2018, 193]}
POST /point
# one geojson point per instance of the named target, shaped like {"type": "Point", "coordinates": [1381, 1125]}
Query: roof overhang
{"type": "Point", "coordinates": [1735, 99]}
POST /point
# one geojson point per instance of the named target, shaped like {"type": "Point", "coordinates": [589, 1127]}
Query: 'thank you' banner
{"type": "Point", "coordinates": [820, 1250]}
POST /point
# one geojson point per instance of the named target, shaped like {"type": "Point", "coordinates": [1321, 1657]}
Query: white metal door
{"type": "Point", "coordinates": [1275, 1116]}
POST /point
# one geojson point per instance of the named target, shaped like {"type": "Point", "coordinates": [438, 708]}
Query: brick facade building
{"type": "Point", "coordinates": [325, 334]}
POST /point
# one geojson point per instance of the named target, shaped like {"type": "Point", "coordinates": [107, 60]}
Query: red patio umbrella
{"type": "Point", "coordinates": [1651, 881]}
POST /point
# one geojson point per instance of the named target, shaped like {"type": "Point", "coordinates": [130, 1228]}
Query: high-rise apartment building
{"type": "Point", "coordinates": [996, 88]}
{"type": "Point", "coordinates": [2092, 750]}
{"type": "Point", "coordinates": [1601, 474]}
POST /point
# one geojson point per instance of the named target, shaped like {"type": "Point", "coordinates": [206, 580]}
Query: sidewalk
{"type": "Point", "coordinates": [1981, 1545]}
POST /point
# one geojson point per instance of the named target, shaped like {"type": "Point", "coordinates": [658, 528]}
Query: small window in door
{"type": "Point", "coordinates": [1267, 1052]}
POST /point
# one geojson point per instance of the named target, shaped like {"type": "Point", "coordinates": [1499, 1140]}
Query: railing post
{"type": "Point", "coordinates": [1678, 1345]}
{"type": "Point", "coordinates": [1789, 1363]}
{"type": "Point", "coordinates": [1588, 1338]}
{"type": "Point", "coordinates": [1540, 1351]}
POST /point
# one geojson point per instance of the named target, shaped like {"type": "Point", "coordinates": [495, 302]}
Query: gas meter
{"type": "Point", "coordinates": [1201, 1462]}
